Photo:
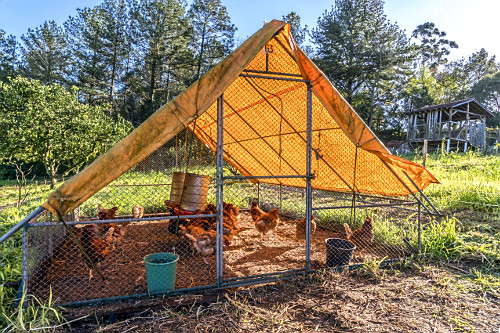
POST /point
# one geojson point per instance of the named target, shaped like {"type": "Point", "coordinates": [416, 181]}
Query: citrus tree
{"type": "Point", "coordinates": [47, 124]}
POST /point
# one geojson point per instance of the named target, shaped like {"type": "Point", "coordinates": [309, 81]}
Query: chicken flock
{"type": "Point", "coordinates": [100, 240]}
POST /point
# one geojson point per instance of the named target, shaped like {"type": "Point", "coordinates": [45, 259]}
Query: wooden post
{"type": "Point", "coordinates": [424, 152]}
{"type": "Point", "coordinates": [484, 133]}
{"type": "Point", "coordinates": [408, 134]}
{"type": "Point", "coordinates": [36, 186]}
{"type": "Point", "coordinates": [45, 185]}
{"type": "Point", "coordinates": [440, 125]}
{"type": "Point", "coordinates": [415, 126]}
{"type": "Point", "coordinates": [450, 116]}
{"type": "Point", "coordinates": [467, 127]}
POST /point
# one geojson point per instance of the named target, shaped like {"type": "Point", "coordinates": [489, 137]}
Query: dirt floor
{"type": "Point", "coordinates": [408, 297]}
{"type": "Point", "coordinates": [125, 270]}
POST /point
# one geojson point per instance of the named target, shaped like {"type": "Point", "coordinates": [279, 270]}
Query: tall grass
{"type": "Point", "coordinates": [469, 180]}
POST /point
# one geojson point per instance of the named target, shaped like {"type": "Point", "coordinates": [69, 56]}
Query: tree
{"type": "Point", "coordinates": [299, 34]}
{"type": "Point", "coordinates": [89, 72]}
{"type": "Point", "coordinates": [458, 77]}
{"type": "Point", "coordinates": [213, 33]}
{"type": "Point", "coordinates": [433, 47]}
{"type": "Point", "coordinates": [47, 124]}
{"type": "Point", "coordinates": [45, 55]}
{"type": "Point", "coordinates": [99, 40]}
{"type": "Point", "coordinates": [162, 60]}
{"type": "Point", "coordinates": [487, 92]}
{"type": "Point", "coordinates": [116, 42]}
{"type": "Point", "coordinates": [8, 55]}
{"type": "Point", "coordinates": [360, 51]}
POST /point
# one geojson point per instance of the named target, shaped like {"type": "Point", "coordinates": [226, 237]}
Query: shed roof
{"type": "Point", "coordinates": [474, 107]}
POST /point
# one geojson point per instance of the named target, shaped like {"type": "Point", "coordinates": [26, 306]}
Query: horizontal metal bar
{"type": "Point", "coordinates": [274, 78]}
{"type": "Point", "coordinates": [266, 177]}
{"type": "Point", "coordinates": [240, 278]}
{"type": "Point", "coordinates": [139, 296]}
{"type": "Point", "coordinates": [159, 218]}
{"type": "Point", "coordinates": [33, 215]}
{"type": "Point", "coordinates": [348, 195]}
{"type": "Point", "coordinates": [367, 206]}
{"type": "Point", "coordinates": [272, 73]}
{"type": "Point", "coordinates": [126, 185]}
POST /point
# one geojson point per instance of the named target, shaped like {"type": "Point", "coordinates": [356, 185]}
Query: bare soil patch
{"type": "Point", "coordinates": [414, 299]}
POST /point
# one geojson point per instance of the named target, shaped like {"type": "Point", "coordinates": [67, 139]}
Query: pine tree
{"type": "Point", "coordinates": [45, 55]}
{"type": "Point", "coordinates": [8, 56]}
{"type": "Point", "coordinates": [89, 70]}
{"type": "Point", "coordinates": [213, 33]}
{"type": "Point", "coordinates": [361, 52]}
{"type": "Point", "coordinates": [161, 59]}
{"type": "Point", "coordinates": [298, 32]}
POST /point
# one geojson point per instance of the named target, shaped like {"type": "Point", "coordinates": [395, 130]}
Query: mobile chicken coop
{"type": "Point", "coordinates": [269, 128]}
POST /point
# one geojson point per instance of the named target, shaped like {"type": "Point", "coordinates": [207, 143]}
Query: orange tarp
{"type": "Point", "coordinates": [264, 128]}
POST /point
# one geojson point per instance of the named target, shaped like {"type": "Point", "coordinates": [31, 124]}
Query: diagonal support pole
{"type": "Point", "coordinates": [422, 193]}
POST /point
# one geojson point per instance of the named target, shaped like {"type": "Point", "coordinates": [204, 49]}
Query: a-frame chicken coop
{"type": "Point", "coordinates": [278, 141]}
{"type": "Point", "coordinates": [457, 124]}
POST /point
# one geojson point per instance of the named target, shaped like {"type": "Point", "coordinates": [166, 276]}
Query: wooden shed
{"type": "Point", "coordinates": [460, 124]}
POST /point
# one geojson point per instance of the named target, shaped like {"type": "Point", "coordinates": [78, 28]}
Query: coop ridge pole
{"type": "Point", "coordinates": [308, 179]}
{"type": "Point", "coordinates": [34, 214]}
{"type": "Point", "coordinates": [220, 185]}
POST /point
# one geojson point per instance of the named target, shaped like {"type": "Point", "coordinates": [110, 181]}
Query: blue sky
{"type": "Point", "coordinates": [472, 24]}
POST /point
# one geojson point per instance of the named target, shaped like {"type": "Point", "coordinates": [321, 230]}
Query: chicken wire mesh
{"type": "Point", "coordinates": [266, 209]}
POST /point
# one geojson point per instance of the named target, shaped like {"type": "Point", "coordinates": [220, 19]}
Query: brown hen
{"type": "Point", "coordinates": [96, 248]}
{"type": "Point", "coordinates": [267, 222]}
{"type": "Point", "coordinates": [300, 228]}
{"type": "Point", "coordinates": [361, 237]}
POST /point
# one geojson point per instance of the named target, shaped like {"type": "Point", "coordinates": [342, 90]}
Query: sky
{"type": "Point", "coordinates": [473, 24]}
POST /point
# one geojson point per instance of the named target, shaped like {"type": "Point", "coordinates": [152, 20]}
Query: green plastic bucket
{"type": "Point", "coordinates": [160, 271]}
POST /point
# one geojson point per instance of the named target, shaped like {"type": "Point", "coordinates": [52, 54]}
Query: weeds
{"type": "Point", "coordinates": [36, 315]}
{"type": "Point", "coordinates": [439, 239]}
{"type": "Point", "coordinates": [373, 268]}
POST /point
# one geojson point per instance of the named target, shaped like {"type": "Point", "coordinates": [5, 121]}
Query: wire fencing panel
{"type": "Point", "coordinates": [117, 227]}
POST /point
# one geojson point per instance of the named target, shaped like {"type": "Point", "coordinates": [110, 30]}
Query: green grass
{"type": "Point", "coordinates": [469, 196]}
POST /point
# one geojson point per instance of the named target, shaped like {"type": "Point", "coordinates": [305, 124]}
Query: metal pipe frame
{"type": "Point", "coordinates": [367, 206]}
{"type": "Point", "coordinates": [422, 193]}
{"type": "Point", "coordinates": [419, 229]}
{"type": "Point", "coordinates": [272, 73]}
{"type": "Point", "coordinates": [32, 216]}
{"type": "Point", "coordinates": [267, 177]}
{"type": "Point", "coordinates": [220, 188]}
{"type": "Point", "coordinates": [160, 218]}
{"type": "Point", "coordinates": [308, 179]}
{"type": "Point", "coordinates": [274, 78]}
{"type": "Point", "coordinates": [25, 259]}
{"type": "Point", "coordinates": [407, 188]}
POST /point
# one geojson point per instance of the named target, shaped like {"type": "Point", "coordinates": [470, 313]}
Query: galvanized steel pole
{"type": "Point", "coordinates": [308, 179]}
{"type": "Point", "coordinates": [220, 186]}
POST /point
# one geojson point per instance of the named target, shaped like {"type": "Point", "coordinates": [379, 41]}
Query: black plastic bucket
{"type": "Point", "coordinates": [338, 252]}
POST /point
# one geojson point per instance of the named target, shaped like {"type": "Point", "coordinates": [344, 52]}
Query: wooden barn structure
{"type": "Point", "coordinates": [460, 124]}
